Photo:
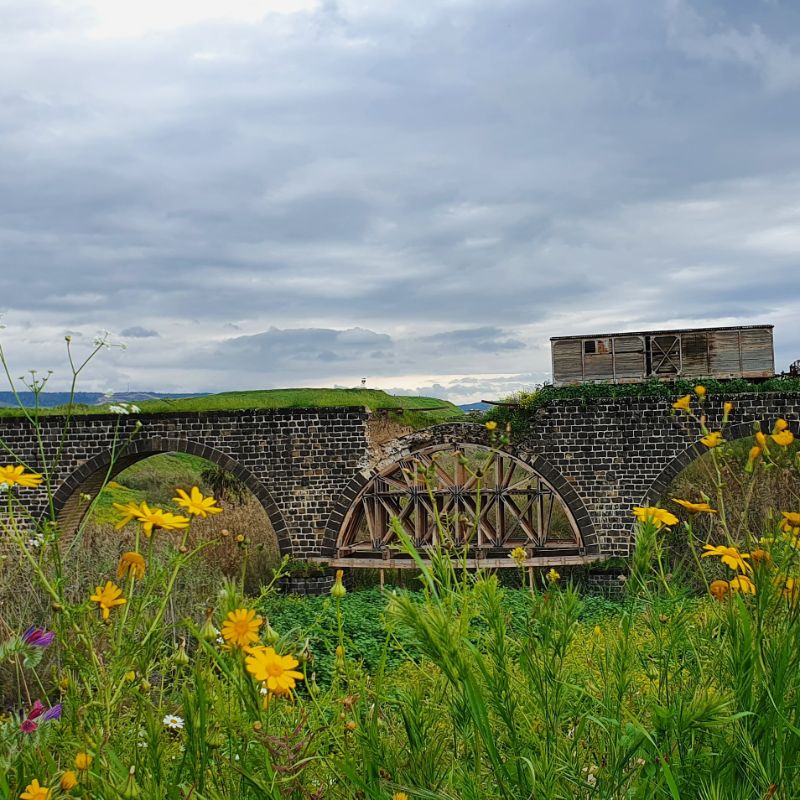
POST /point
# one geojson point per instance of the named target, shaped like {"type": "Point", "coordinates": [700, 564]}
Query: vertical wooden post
{"type": "Point", "coordinates": [530, 579]}
{"type": "Point", "coordinates": [382, 577]}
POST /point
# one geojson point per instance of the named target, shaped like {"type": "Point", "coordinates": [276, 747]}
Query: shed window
{"type": "Point", "coordinates": [596, 346]}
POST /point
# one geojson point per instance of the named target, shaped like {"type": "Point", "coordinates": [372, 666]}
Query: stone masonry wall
{"type": "Point", "coordinates": [306, 466]}
{"type": "Point", "coordinates": [617, 453]}
{"type": "Point", "coordinates": [296, 461]}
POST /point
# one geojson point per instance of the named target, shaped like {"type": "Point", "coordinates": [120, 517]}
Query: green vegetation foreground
{"type": "Point", "coordinates": [470, 696]}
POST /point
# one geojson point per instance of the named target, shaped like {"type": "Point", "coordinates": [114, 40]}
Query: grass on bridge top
{"type": "Point", "coordinates": [409, 410]}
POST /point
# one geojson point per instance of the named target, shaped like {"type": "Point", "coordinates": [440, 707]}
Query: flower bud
{"type": "Point", "coordinates": [69, 780]}
{"type": "Point", "coordinates": [269, 635]}
{"type": "Point", "coordinates": [337, 590]}
{"type": "Point", "coordinates": [83, 761]}
{"type": "Point", "coordinates": [207, 631]}
{"type": "Point", "coordinates": [130, 790]}
{"type": "Point", "coordinates": [181, 658]}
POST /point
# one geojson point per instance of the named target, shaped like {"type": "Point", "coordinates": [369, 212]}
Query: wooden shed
{"type": "Point", "coordinates": [732, 352]}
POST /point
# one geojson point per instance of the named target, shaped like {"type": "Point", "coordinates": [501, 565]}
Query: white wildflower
{"type": "Point", "coordinates": [36, 541]}
{"type": "Point", "coordinates": [173, 722]}
{"type": "Point", "coordinates": [124, 408]}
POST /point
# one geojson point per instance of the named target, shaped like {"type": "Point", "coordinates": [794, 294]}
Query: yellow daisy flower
{"type": "Point", "coordinates": [782, 438]}
{"type": "Point", "coordinates": [683, 403]}
{"type": "Point", "coordinates": [658, 516]}
{"type": "Point", "coordinates": [719, 589]}
{"type": "Point", "coordinates": [729, 556]}
{"type": "Point", "coordinates": [152, 518]}
{"type": "Point", "coordinates": [83, 761]}
{"type": "Point", "coordinates": [33, 791]}
{"type": "Point", "coordinates": [107, 597]}
{"type": "Point", "coordinates": [196, 504]}
{"type": "Point", "coordinates": [131, 564]}
{"type": "Point", "coordinates": [695, 508]}
{"type": "Point", "coordinates": [743, 584]}
{"type": "Point", "coordinates": [713, 439]}
{"type": "Point", "coordinates": [241, 626]}
{"type": "Point", "coordinates": [17, 475]}
{"type": "Point", "coordinates": [69, 780]}
{"type": "Point", "coordinates": [276, 672]}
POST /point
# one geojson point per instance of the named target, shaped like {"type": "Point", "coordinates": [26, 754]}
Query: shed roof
{"type": "Point", "coordinates": [663, 331]}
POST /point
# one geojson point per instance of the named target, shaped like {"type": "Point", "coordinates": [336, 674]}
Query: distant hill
{"type": "Point", "coordinates": [475, 407]}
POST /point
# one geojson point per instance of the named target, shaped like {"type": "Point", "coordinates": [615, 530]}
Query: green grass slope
{"type": "Point", "coordinates": [403, 409]}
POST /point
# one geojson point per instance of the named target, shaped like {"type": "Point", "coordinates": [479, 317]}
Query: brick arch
{"type": "Point", "coordinates": [90, 476]}
{"type": "Point", "coordinates": [459, 434]}
{"type": "Point", "coordinates": [657, 489]}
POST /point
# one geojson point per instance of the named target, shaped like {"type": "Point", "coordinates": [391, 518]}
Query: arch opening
{"type": "Point", "coordinates": [155, 468]}
{"type": "Point", "coordinates": [750, 505]}
{"type": "Point", "coordinates": [467, 497]}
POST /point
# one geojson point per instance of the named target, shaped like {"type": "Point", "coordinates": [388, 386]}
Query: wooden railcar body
{"type": "Point", "coordinates": [722, 353]}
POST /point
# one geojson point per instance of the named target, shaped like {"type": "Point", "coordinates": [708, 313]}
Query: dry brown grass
{"type": "Point", "coordinates": [92, 557]}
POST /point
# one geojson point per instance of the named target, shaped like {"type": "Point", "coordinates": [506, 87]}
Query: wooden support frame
{"type": "Point", "coordinates": [484, 503]}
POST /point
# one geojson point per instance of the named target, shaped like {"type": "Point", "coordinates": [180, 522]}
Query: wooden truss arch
{"type": "Point", "coordinates": [487, 503]}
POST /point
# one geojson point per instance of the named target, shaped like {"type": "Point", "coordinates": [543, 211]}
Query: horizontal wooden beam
{"type": "Point", "coordinates": [472, 563]}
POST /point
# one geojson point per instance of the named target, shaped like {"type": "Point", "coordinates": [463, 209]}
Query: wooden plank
{"type": "Point", "coordinates": [489, 563]}
{"type": "Point", "coordinates": [567, 362]}
{"type": "Point", "coordinates": [724, 354]}
{"type": "Point", "coordinates": [695, 355]}
{"type": "Point", "coordinates": [598, 366]}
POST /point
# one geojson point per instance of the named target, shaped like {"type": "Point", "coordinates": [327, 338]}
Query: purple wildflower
{"type": "Point", "coordinates": [38, 710]}
{"type": "Point", "coordinates": [52, 713]}
{"type": "Point", "coordinates": [38, 637]}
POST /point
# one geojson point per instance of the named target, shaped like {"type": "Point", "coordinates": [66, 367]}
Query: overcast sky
{"type": "Point", "coordinates": [264, 193]}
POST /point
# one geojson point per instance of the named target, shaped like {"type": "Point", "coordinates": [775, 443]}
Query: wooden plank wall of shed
{"type": "Point", "coordinates": [758, 358]}
{"type": "Point", "coordinates": [629, 357]}
{"type": "Point", "coordinates": [568, 361]}
{"type": "Point", "coordinates": [598, 366]}
{"type": "Point", "coordinates": [724, 354]}
{"type": "Point", "coordinates": [695, 348]}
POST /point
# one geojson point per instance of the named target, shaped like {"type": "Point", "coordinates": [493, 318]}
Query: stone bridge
{"type": "Point", "coordinates": [311, 469]}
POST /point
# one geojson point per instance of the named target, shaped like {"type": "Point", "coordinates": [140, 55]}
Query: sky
{"type": "Point", "coordinates": [266, 193]}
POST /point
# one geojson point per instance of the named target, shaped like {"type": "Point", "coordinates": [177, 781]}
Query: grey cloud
{"type": "Point", "coordinates": [486, 339]}
{"type": "Point", "coordinates": [292, 351]}
{"type": "Point", "coordinates": [138, 332]}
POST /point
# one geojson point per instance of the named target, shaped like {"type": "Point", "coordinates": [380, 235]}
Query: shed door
{"type": "Point", "coordinates": [665, 355]}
